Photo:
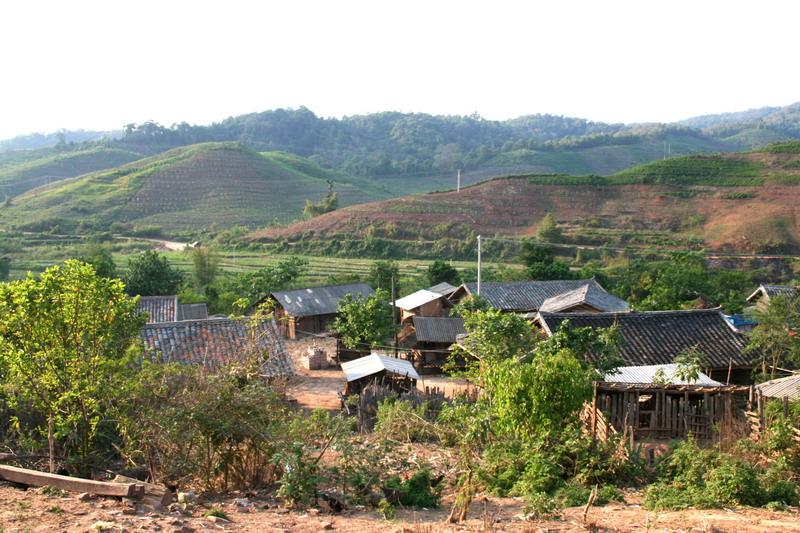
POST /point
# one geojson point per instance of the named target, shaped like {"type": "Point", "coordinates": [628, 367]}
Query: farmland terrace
{"type": "Point", "coordinates": [737, 202]}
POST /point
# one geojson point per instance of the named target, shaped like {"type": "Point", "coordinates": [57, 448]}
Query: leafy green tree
{"type": "Point", "coordinates": [250, 287]}
{"type": "Point", "coordinates": [381, 274]}
{"type": "Point", "coordinates": [64, 337]}
{"type": "Point", "coordinates": [150, 274]}
{"type": "Point", "coordinates": [101, 259]}
{"type": "Point", "coordinates": [364, 321]}
{"type": "Point", "coordinates": [775, 341]}
{"type": "Point", "coordinates": [441, 271]}
{"type": "Point", "coordinates": [541, 262]}
{"type": "Point", "coordinates": [205, 266]}
{"type": "Point", "coordinates": [548, 229]}
{"type": "Point", "coordinates": [690, 364]}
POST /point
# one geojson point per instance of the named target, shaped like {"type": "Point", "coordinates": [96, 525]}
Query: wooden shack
{"type": "Point", "coordinates": [429, 340]}
{"type": "Point", "coordinates": [311, 311]}
{"type": "Point", "coordinates": [397, 374]}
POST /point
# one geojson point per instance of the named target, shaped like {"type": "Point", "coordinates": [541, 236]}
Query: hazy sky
{"type": "Point", "coordinates": [99, 65]}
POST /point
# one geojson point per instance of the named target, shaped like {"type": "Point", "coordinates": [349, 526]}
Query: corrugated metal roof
{"type": "Point", "coordinates": [416, 299]}
{"type": "Point", "coordinates": [159, 308]}
{"type": "Point", "coordinates": [318, 300]}
{"type": "Point", "coordinates": [590, 294]}
{"type": "Point", "coordinates": [521, 296]}
{"type": "Point", "coordinates": [215, 343]}
{"type": "Point", "coordinates": [375, 363]}
{"type": "Point", "coordinates": [788, 387]}
{"type": "Point", "coordinates": [646, 374]}
{"type": "Point", "coordinates": [443, 288]}
{"type": "Point", "coordinates": [438, 329]}
{"type": "Point", "coordinates": [656, 337]}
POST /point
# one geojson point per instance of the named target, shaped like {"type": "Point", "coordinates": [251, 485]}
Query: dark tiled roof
{"type": "Point", "coordinates": [438, 329]}
{"type": "Point", "coordinates": [656, 337]}
{"type": "Point", "coordinates": [522, 296]}
{"type": "Point", "coordinates": [193, 311]}
{"type": "Point", "coordinates": [159, 308]}
{"type": "Point", "coordinates": [591, 295]}
{"type": "Point", "coordinates": [318, 300]}
{"type": "Point", "coordinates": [772, 290]}
{"type": "Point", "coordinates": [215, 343]}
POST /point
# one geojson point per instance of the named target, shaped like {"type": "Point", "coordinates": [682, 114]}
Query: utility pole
{"type": "Point", "coordinates": [394, 317]}
{"type": "Point", "coordinates": [479, 265]}
{"type": "Point", "coordinates": [458, 181]}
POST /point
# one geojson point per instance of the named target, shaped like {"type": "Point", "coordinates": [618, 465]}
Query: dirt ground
{"type": "Point", "coordinates": [30, 510]}
{"type": "Point", "coordinates": [319, 388]}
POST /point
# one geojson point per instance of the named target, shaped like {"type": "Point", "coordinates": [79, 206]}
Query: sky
{"type": "Point", "coordinates": [103, 64]}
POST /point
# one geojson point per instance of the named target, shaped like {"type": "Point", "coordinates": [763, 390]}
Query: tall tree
{"type": "Point", "coordinates": [150, 274]}
{"type": "Point", "coordinates": [541, 262]}
{"type": "Point", "coordinates": [548, 229]}
{"type": "Point", "coordinates": [775, 341]}
{"type": "Point", "coordinates": [64, 337]}
{"type": "Point", "coordinates": [381, 274]}
{"type": "Point", "coordinates": [101, 259]}
{"type": "Point", "coordinates": [364, 322]}
{"type": "Point", "coordinates": [206, 266]}
{"type": "Point", "coordinates": [441, 271]}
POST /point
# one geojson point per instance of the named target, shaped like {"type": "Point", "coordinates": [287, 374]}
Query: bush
{"type": "Point", "coordinates": [734, 483]}
{"type": "Point", "coordinates": [417, 491]}
{"type": "Point", "coordinates": [403, 421]}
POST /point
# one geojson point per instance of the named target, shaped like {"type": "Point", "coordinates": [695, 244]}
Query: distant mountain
{"type": "Point", "coordinates": [403, 153]}
{"type": "Point", "coordinates": [47, 140]}
{"type": "Point", "coordinates": [736, 202]}
{"type": "Point", "coordinates": [183, 190]}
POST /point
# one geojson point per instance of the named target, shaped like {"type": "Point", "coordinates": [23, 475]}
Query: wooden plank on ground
{"type": "Point", "coordinates": [34, 478]}
{"type": "Point", "coordinates": [153, 494]}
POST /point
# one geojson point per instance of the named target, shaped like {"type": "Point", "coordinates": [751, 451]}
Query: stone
{"type": "Point", "coordinates": [326, 525]}
{"type": "Point", "coordinates": [102, 525]}
{"type": "Point", "coordinates": [85, 496]}
{"type": "Point", "coordinates": [217, 519]}
{"type": "Point", "coordinates": [187, 497]}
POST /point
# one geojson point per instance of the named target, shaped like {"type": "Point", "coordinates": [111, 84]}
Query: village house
{"type": "Point", "coordinates": [429, 339]}
{"type": "Point", "coordinates": [762, 295]}
{"type": "Point", "coordinates": [422, 303]}
{"type": "Point", "coordinates": [397, 374]}
{"type": "Point", "coordinates": [302, 312]}
{"type": "Point", "coordinates": [161, 309]}
{"type": "Point", "coordinates": [529, 296]}
{"type": "Point", "coordinates": [657, 337]}
{"type": "Point", "coordinates": [216, 343]}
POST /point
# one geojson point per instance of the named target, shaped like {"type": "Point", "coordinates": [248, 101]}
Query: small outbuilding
{"type": "Point", "coordinates": [397, 374]}
{"type": "Point", "coordinates": [421, 303]}
{"type": "Point", "coordinates": [301, 312]}
{"type": "Point", "coordinates": [764, 293]}
{"type": "Point", "coordinates": [652, 403]}
{"type": "Point", "coordinates": [430, 339]}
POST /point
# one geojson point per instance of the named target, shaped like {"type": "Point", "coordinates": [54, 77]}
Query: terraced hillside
{"type": "Point", "coordinates": [23, 171]}
{"type": "Point", "coordinates": [187, 188]}
{"type": "Point", "coordinates": [742, 202]}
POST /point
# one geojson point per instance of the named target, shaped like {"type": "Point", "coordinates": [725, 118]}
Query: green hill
{"type": "Point", "coordinates": [744, 202]}
{"type": "Point", "coordinates": [24, 170]}
{"type": "Point", "coordinates": [185, 189]}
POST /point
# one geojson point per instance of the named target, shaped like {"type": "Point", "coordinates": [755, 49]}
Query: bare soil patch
{"type": "Point", "coordinates": [29, 510]}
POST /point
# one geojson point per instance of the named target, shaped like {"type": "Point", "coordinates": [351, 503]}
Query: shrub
{"type": "Point", "coordinates": [403, 421]}
{"type": "Point", "coordinates": [734, 483]}
{"type": "Point", "coordinates": [417, 491]}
